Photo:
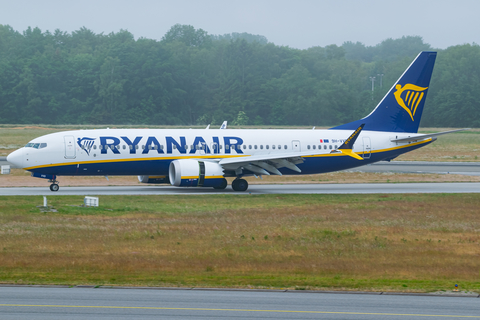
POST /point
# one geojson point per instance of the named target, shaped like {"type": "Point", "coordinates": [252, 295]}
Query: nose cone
{"type": "Point", "coordinates": [16, 158]}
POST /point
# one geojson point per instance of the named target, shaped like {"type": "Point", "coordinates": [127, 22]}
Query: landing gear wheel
{"type": "Point", "coordinates": [54, 187]}
{"type": "Point", "coordinates": [222, 186]}
{"type": "Point", "coordinates": [239, 185]}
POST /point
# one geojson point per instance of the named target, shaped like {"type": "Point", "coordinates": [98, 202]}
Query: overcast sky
{"type": "Point", "coordinates": [297, 24]}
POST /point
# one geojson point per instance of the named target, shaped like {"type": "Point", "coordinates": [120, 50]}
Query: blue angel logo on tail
{"type": "Point", "coordinates": [86, 144]}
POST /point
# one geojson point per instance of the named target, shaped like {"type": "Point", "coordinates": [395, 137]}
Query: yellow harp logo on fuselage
{"type": "Point", "coordinates": [411, 99]}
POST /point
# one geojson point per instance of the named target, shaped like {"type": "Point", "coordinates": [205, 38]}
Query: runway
{"type": "Point", "coordinates": [464, 168]}
{"type": "Point", "coordinates": [80, 303]}
{"type": "Point", "coordinates": [344, 188]}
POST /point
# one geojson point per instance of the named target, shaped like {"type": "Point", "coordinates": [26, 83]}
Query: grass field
{"type": "Point", "coordinates": [348, 242]}
{"type": "Point", "coordinates": [461, 146]}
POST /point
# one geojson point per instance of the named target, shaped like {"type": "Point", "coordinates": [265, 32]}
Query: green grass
{"type": "Point", "coordinates": [348, 242]}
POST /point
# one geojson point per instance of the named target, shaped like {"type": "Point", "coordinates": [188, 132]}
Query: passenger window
{"type": "Point", "coordinates": [308, 147]}
{"type": "Point", "coordinates": [285, 147]}
{"type": "Point", "coordinates": [336, 147]}
{"type": "Point", "coordinates": [261, 146]}
{"type": "Point", "coordinates": [267, 146]}
{"type": "Point", "coordinates": [244, 146]}
{"type": "Point", "coordinates": [136, 146]}
{"type": "Point", "coordinates": [174, 147]}
{"type": "Point", "coordinates": [324, 146]}
{"type": "Point", "coordinates": [124, 147]}
{"type": "Point", "coordinates": [319, 147]}
{"type": "Point", "coordinates": [313, 147]}
{"type": "Point", "coordinates": [130, 146]}
{"type": "Point", "coordinates": [279, 147]}
{"type": "Point", "coordinates": [250, 147]}
{"type": "Point", "coordinates": [273, 146]}
{"type": "Point", "coordinates": [227, 147]}
{"type": "Point", "coordinates": [330, 147]}
{"type": "Point", "coordinates": [255, 146]}
{"type": "Point", "coordinates": [221, 147]}
{"type": "Point", "coordinates": [161, 147]}
{"type": "Point", "coordinates": [95, 147]}
{"type": "Point", "coordinates": [143, 146]}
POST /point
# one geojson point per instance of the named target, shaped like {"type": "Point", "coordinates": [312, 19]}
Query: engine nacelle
{"type": "Point", "coordinates": [153, 179]}
{"type": "Point", "coordinates": [194, 173]}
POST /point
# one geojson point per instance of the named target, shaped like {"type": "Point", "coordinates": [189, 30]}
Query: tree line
{"type": "Point", "coordinates": [191, 77]}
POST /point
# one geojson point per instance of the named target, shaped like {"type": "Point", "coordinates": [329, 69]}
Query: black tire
{"type": "Point", "coordinates": [222, 186]}
{"type": "Point", "coordinates": [54, 187]}
{"type": "Point", "coordinates": [240, 185]}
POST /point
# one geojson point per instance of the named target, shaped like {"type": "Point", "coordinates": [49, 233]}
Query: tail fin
{"type": "Point", "coordinates": [402, 107]}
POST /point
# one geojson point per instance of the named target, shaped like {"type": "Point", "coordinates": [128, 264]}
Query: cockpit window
{"type": "Point", "coordinates": [36, 145]}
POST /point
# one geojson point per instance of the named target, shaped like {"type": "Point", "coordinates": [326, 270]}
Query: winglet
{"type": "Point", "coordinates": [347, 146]}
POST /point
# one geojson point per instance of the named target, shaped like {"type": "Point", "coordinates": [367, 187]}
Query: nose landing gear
{"type": "Point", "coordinates": [51, 178]}
{"type": "Point", "coordinates": [54, 186]}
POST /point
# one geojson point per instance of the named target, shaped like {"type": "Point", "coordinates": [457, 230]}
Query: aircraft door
{"type": "Point", "coordinates": [367, 148]}
{"type": "Point", "coordinates": [69, 147]}
{"type": "Point", "coordinates": [296, 146]}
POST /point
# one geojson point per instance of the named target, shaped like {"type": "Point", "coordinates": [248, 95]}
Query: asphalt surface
{"type": "Point", "coordinates": [359, 188]}
{"type": "Point", "coordinates": [464, 168]}
{"type": "Point", "coordinates": [82, 303]}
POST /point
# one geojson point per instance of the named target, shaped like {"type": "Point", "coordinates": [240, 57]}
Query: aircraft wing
{"type": "Point", "coordinates": [426, 136]}
{"type": "Point", "coordinates": [265, 164]}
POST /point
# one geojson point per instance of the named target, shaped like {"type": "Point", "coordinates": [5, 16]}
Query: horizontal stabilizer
{"type": "Point", "coordinates": [426, 136]}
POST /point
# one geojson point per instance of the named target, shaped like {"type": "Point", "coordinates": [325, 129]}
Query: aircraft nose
{"type": "Point", "coordinates": [16, 158]}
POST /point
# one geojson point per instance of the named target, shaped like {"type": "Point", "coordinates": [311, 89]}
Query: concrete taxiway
{"type": "Point", "coordinates": [80, 303]}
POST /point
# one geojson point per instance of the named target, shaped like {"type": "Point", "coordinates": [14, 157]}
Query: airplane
{"type": "Point", "coordinates": [205, 157]}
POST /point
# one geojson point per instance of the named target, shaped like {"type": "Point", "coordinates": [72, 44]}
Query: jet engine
{"type": "Point", "coordinates": [194, 173]}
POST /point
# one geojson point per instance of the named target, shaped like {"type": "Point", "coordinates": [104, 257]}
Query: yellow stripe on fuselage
{"type": "Point", "coordinates": [206, 177]}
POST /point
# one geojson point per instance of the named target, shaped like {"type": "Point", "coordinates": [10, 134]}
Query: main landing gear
{"type": "Point", "coordinates": [239, 185]}
{"type": "Point", "coordinates": [222, 186]}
